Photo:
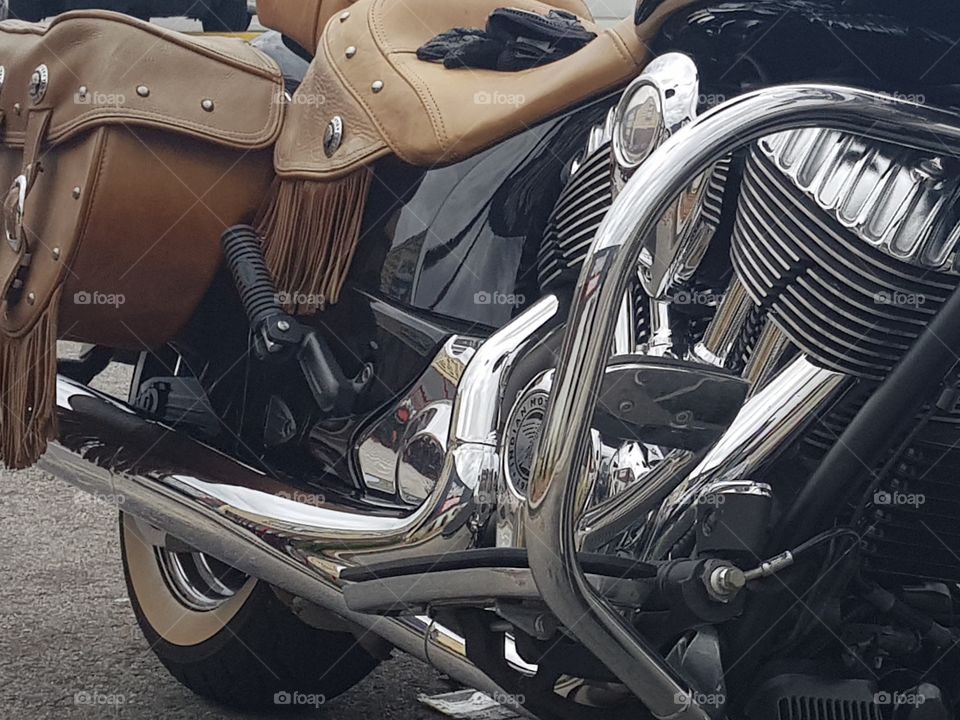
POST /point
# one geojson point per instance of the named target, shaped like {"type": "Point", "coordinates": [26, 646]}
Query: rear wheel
{"type": "Point", "coordinates": [227, 636]}
{"type": "Point", "coordinates": [226, 16]}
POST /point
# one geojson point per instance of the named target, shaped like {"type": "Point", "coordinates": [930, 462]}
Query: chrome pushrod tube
{"type": "Point", "coordinates": [560, 465]}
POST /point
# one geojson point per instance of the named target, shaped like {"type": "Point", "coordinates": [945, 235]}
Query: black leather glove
{"type": "Point", "coordinates": [513, 40]}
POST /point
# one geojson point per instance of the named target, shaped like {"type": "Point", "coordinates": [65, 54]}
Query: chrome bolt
{"type": "Point", "coordinates": [725, 582]}
{"type": "Point", "coordinates": [377, 86]}
{"type": "Point", "coordinates": [16, 108]}
{"type": "Point", "coordinates": [143, 91]}
{"type": "Point", "coordinates": [344, 15]}
{"type": "Point", "coordinates": [283, 325]}
{"type": "Point", "coordinates": [207, 104]}
{"type": "Point", "coordinates": [56, 253]}
{"type": "Point", "coordinates": [76, 191]}
{"type": "Point", "coordinates": [350, 52]}
{"type": "Point", "coordinates": [31, 298]}
{"type": "Point", "coordinates": [931, 168]}
{"type": "Point", "coordinates": [82, 92]}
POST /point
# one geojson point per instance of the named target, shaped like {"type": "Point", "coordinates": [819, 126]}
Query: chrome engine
{"type": "Point", "coordinates": [844, 244]}
{"type": "Point", "coordinates": [842, 250]}
{"type": "Point", "coordinates": [847, 248]}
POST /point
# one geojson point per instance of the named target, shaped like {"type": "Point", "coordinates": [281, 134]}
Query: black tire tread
{"type": "Point", "coordinates": [263, 650]}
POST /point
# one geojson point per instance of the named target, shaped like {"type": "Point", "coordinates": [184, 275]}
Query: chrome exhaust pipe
{"type": "Point", "coordinates": [214, 503]}
{"type": "Point", "coordinates": [292, 536]}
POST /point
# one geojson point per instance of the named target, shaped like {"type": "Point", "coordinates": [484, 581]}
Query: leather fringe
{"type": "Point", "coordinates": [28, 390]}
{"type": "Point", "coordinates": [311, 230]}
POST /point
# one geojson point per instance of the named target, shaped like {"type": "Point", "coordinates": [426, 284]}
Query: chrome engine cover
{"type": "Point", "coordinates": [615, 465]}
{"type": "Point", "coordinates": [900, 201]}
{"type": "Point", "coordinates": [523, 429]}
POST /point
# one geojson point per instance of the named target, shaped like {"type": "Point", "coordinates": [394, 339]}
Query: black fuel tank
{"type": "Point", "coordinates": [461, 241]}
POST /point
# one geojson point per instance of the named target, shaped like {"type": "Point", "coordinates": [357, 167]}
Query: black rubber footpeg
{"type": "Point", "coordinates": [278, 336]}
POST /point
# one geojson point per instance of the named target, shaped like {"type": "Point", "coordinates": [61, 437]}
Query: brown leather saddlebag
{"type": "Point", "coordinates": [127, 150]}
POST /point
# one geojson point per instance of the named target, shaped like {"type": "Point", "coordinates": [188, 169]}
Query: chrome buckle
{"type": "Point", "coordinates": [13, 212]}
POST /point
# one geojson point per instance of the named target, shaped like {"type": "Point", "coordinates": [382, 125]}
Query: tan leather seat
{"type": "Point", "coordinates": [303, 20]}
{"type": "Point", "coordinates": [366, 95]}
{"type": "Point", "coordinates": [366, 78]}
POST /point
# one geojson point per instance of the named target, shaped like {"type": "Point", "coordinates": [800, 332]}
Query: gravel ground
{"type": "Point", "coordinates": [67, 632]}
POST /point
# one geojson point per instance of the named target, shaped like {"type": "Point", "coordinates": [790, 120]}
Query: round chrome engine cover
{"type": "Point", "coordinates": [522, 431]}
{"type": "Point", "coordinates": [615, 466]}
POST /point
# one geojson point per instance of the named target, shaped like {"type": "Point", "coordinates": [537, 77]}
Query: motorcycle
{"type": "Point", "coordinates": [643, 407]}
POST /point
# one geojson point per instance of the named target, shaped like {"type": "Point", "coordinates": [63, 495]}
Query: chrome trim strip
{"type": "Point", "coordinates": [560, 467]}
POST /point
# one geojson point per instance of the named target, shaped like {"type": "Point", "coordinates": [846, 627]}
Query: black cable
{"type": "Point", "coordinates": [823, 537]}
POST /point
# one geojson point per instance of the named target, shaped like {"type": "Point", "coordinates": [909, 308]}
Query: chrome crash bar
{"type": "Point", "coordinates": [560, 469]}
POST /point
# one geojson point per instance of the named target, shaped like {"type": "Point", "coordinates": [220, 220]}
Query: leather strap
{"type": "Point", "coordinates": [16, 253]}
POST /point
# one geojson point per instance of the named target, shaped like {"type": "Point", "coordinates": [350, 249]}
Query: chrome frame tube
{"type": "Point", "coordinates": [560, 464]}
{"type": "Point", "coordinates": [476, 411]}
